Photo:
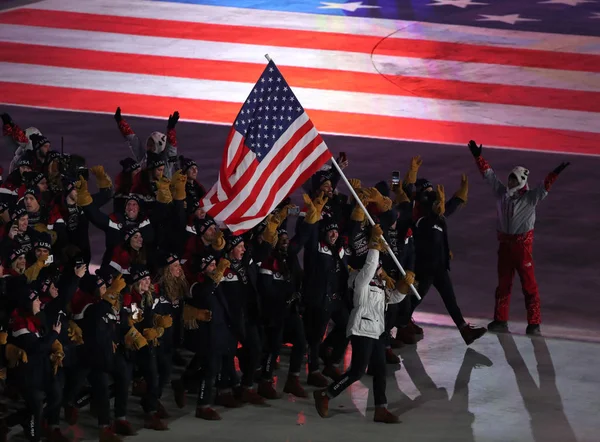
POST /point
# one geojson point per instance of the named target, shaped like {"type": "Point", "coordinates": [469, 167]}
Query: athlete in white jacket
{"type": "Point", "coordinates": [366, 327]}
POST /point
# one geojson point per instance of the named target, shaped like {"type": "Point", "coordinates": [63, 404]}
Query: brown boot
{"type": "Point", "coordinates": [316, 379]}
{"type": "Point", "coordinates": [179, 392]}
{"type": "Point", "coordinates": [406, 335]}
{"type": "Point", "coordinates": [470, 333]}
{"type": "Point", "coordinates": [71, 414]}
{"type": "Point", "coordinates": [227, 400]}
{"type": "Point", "coordinates": [124, 428]}
{"type": "Point", "coordinates": [383, 415]}
{"type": "Point", "coordinates": [333, 372]}
{"type": "Point", "coordinates": [292, 386]}
{"type": "Point", "coordinates": [108, 435]}
{"type": "Point", "coordinates": [267, 390]}
{"type": "Point", "coordinates": [153, 422]}
{"type": "Point", "coordinates": [390, 357]}
{"type": "Point", "coordinates": [321, 402]}
{"type": "Point", "coordinates": [207, 414]}
{"type": "Point", "coordinates": [252, 397]}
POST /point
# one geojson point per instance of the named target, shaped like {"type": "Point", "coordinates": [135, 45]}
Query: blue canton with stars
{"type": "Point", "coordinates": [268, 112]}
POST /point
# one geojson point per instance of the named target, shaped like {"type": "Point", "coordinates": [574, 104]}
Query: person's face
{"type": "Point", "coordinates": [332, 236]}
{"type": "Point", "coordinates": [31, 203]}
{"type": "Point", "coordinates": [24, 169]}
{"type": "Point", "coordinates": [200, 213]}
{"type": "Point", "coordinates": [41, 253]}
{"type": "Point", "coordinates": [144, 284]}
{"type": "Point", "coordinates": [192, 173]}
{"type": "Point", "coordinates": [211, 267]}
{"type": "Point", "coordinates": [43, 185]}
{"type": "Point", "coordinates": [136, 241]}
{"type": "Point", "coordinates": [44, 150]}
{"type": "Point", "coordinates": [23, 223]}
{"type": "Point", "coordinates": [327, 189]}
{"type": "Point", "coordinates": [36, 306]}
{"type": "Point", "coordinates": [512, 181]}
{"type": "Point", "coordinates": [157, 173]}
{"type": "Point", "coordinates": [237, 253]}
{"type": "Point", "coordinates": [283, 242]}
{"type": "Point", "coordinates": [53, 291]}
{"type": "Point", "coordinates": [175, 269]}
{"type": "Point", "coordinates": [210, 233]}
{"type": "Point", "coordinates": [102, 290]}
{"type": "Point", "coordinates": [132, 209]}
{"type": "Point", "coordinates": [20, 263]}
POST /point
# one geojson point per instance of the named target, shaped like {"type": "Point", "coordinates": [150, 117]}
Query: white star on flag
{"type": "Point", "coordinates": [458, 3]}
{"type": "Point", "coordinates": [566, 2]}
{"type": "Point", "coordinates": [351, 6]}
{"type": "Point", "coordinates": [510, 19]}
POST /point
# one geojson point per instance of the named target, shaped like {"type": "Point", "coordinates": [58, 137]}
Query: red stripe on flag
{"type": "Point", "coordinates": [303, 39]}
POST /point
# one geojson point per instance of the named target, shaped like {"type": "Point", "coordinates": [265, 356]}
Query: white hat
{"type": "Point", "coordinates": [521, 174]}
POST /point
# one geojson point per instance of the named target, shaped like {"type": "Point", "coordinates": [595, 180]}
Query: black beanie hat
{"type": "Point", "coordinates": [186, 163]}
{"type": "Point", "coordinates": [153, 161]}
{"type": "Point", "coordinates": [129, 165]}
{"type": "Point", "coordinates": [37, 141]}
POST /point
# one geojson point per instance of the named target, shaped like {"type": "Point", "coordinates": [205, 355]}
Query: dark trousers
{"type": "Point", "coordinates": [211, 365]}
{"type": "Point", "coordinates": [164, 365]}
{"type": "Point", "coordinates": [34, 401]}
{"type": "Point", "coordinates": [75, 377]}
{"type": "Point", "coordinates": [440, 279]}
{"type": "Point", "coordinates": [316, 320]}
{"type": "Point", "coordinates": [250, 353]}
{"type": "Point", "coordinates": [100, 380]}
{"type": "Point", "coordinates": [147, 364]}
{"type": "Point", "coordinates": [293, 329]}
{"type": "Point", "coordinates": [366, 352]}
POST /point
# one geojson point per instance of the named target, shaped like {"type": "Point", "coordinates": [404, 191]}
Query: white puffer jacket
{"type": "Point", "coordinates": [367, 318]}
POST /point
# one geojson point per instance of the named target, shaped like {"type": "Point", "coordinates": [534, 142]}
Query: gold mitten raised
{"type": "Point", "coordinates": [439, 207]}
{"type": "Point", "coordinates": [411, 175]}
{"type": "Point", "coordinates": [403, 285]}
{"type": "Point", "coordinates": [463, 192]}
{"type": "Point", "coordinates": [102, 178]}
{"type": "Point", "coordinates": [219, 242]}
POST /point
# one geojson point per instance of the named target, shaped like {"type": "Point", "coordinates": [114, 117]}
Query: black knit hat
{"type": "Point", "coordinates": [186, 163]}
{"type": "Point", "coordinates": [17, 213]}
{"type": "Point", "coordinates": [137, 273]}
{"type": "Point", "coordinates": [166, 259]}
{"type": "Point", "coordinates": [16, 253]}
{"type": "Point", "coordinates": [52, 155]}
{"type": "Point", "coordinates": [319, 178]}
{"type": "Point", "coordinates": [233, 241]}
{"type": "Point", "coordinates": [33, 178]}
{"type": "Point", "coordinates": [134, 197]}
{"type": "Point", "coordinates": [329, 225]}
{"type": "Point", "coordinates": [129, 233]}
{"type": "Point", "coordinates": [202, 225]}
{"type": "Point", "coordinates": [48, 275]}
{"type": "Point", "coordinates": [105, 274]}
{"type": "Point", "coordinates": [43, 242]}
{"type": "Point", "coordinates": [25, 161]}
{"type": "Point", "coordinates": [204, 261]}
{"type": "Point", "coordinates": [129, 165]}
{"type": "Point", "coordinates": [383, 188]}
{"type": "Point", "coordinates": [37, 141]}
{"type": "Point", "coordinates": [90, 283]}
{"type": "Point", "coordinates": [421, 184]}
{"type": "Point", "coordinates": [153, 161]}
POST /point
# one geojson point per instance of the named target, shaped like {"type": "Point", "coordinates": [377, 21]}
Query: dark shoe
{"type": "Point", "coordinates": [415, 328]}
{"type": "Point", "coordinates": [477, 359]}
{"type": "Point", "coordinates": [321, 402]}
{"type": "Point", "coordinates": [124, 428]}
{"type": "Point", "coordinates": [207, 414]}
{"type": "Point", "coordinates": [390, 357]}
{"type": "Point", "coordinates": [179, 360]}
{"type": "Point", "coordinates": [266, 390]}
{"type": "Point", "coordinates": [293, 387]}
{"type": "Point", "coordinates": [533, 330]}
{"type": "Point", "coordinates": [333, 372]}
{"type": "Point", "coordinates": [498, 327]}
{"type": "Point", "coordinates": [108, 435]}
{"type": "Point", "coordinates": [252, 397]}
{"type": "Point", "coordinates": [316, 379]}
{"type": "Point", "coordinates": [470, 334]}
{"type": "Point", "coordinates": [227, 400]}
{"type": "Point", "coordinates": [71, 414]}
{"type": "Point", "coordinates": [154, 422]}
{"type": "Point", "coordinates": [383, 415]}
{"type": "Point", "coordinates": [406, 335]}
{"type": "Point", "coordinates": [179, 392]}
{"type": "Point", "coordinates": [162, 411]}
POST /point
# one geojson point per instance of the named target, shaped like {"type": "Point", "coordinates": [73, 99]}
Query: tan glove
{"type": "Point", "coordinates": [117, 285]}
{"type": "Point", "coordinates": [403, 285]}
{"type": "Point", "coordinates": [389, 281]}
{"type": "Point", "coordinates": [163, 321]}
{"type": "Point", "coordinates": [84, 198]}
{"type": "Point", "coordinates": [57, 356]}
{"type": "Point", "coordinates": [439, 207]}
{"type": "Point", "coordinates": [3, 373]}
{"type": "Point", "coordinates": [134, 339]}
{"type": "Point", "coordinates": [217, 275]}
{"type": "Point", "coordinates": [102, 178]}
{"type": "Point", "coordinates": [373, 195]}
{"type": "Point", "coordinates": [314, 208]}
{"type": "Point", "coordinates": [411, 175]}
{"type": "Point", "coordinates": [178, 182]}
{"type": "Point", "coordinates": [218, 243]}
{"type": "Point", "coordinates": [355, 183]}
{"type": "Point", "coordinates": [3, 337]}
{"type": "Point", "coordinates": [269, 235]}
{"type": "Point", "coordinates": [376, 240]}
{"type": "Point", "coordinates": [163, 191]}
{"type": "Point", "coordinates": [280, 215]}
{"type": "Point", "coordinates": [15, 355]}
{"type": "Point", "coordinates": [75, 333]}
{"type": "Point", "coordinates": [33, 271]}
{"type": "Point", "coordinates": [43, 228]}
{"type": "Point", "coordinates": [192, 314]}
{"type": "Point", "coordinates": [463, 190]}
{"type": "Point", "coordinates": [152, 334]}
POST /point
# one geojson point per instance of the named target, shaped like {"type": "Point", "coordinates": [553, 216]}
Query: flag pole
{"type": "Point", "coordinates": [359, 202]}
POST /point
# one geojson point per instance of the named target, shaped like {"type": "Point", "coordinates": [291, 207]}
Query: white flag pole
{"type": "Point", "coordinates": [359, 202]}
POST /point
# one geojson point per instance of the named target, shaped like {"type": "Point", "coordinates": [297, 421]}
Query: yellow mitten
{"type": "Point", "coordinates": [358, 214]}
{"type": "Point", "coordinates": [383, 202]}
{"type": "Point", "coordinates": [314, 208]}
{"type": "Point", "coordinates": [134, 339]}
{"type": "Point", "coordinates": [57, 355]}
{"type": "Point", "coordinates": [218, 243]}
{"type": "Point", "coordinates": [3, 337]}
{"type": "Point", "coordinates": [177, 186]}
{"type": "Point", "coordinates": [15, 355]}
{"type": "Point", "coordinates": [203, 315]}
{"type": "Point", "coordinates": [84, 198]}
{"type": "Point", "coordinates": [439, 207]}
{"type": "Point", "coordinates": [403, 285]}
{"type": "Point", "coordinates": [269, 235]}
{"type": "Point", "coordinates": [217, 275]}
{"type": "Point", "coordinates": [411, 175]}
{"type": "Point", "coordinates": [163, 191]}
{"type": "Point", "coordinates": [117, 285]}
{"type": "Point", "coordinates": [102, 178]}
{"type": "Point", "coordinates": [152, 335]}
{"type": "Point", "coordinates": [164, 321]}
{"type": "Point", "coordinates": [463, 191]}
{"type": "Point", "coordinates": [280, 215]}
{"type": "Point", "coordinates": [389, 281]}
{"type": "Point", "coordinates": [34, 270]}
{"type": "Point", "coordinates": [75, 333]}
{"type": "Point", "coordinates": [376, 240]}
{"type": "Point", "coordinates": [355, 183]}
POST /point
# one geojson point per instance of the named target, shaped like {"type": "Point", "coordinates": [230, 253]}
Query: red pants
{"type": "Point", "coordinates": [515, 254]}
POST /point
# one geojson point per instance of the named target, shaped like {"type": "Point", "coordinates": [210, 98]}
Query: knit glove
{"type": "Point", "coordinates": [102, 178]}
{"type": "Point", "coordinates": [118, 116]}
{"type": "Point", "coordinates": [218, 243]}
{"type": "Point", "coordinates": [355, 183]}
{"type": "Point", "coordinates": [389, 281]}
{"type": "Point", "coordinates": [153, 334]}
{"type": "Point", "coordinates": [33, 271]}
{"type": "Point", "coordinates": [57, 356]}
{"type": "Point", "coordinates": [163, 321]}
{"type": "Point", "coordinates": [376, 240]}
{"type": "Point", "coordinates": [15, 355]}
{"type": "Point", "coordinates": [475, 150]}
{"type": "Point", "coordinates": [192, 314]}
{"type": "Point", "coordinates": [134, 339]}
{"type": "Point", "coordinates": [411, 175]}
{"type": "Point", "coordinates": [463, 191]}
{"type": "Point", "coordinates": [75, 333]}
{"type": "Point", "coordinates": [177, 186]}
{"type": "Point", "coordinates": [269, 235]}
{"type": "Point", "coordinates": [217, 275]}
{"type": "Point", "coordinates": [7, 119]}
{"type": "Point", "coordinates": [439, 207]}
{"type": "Point", "coordinates": [173, 119]}
{"type": "Point", "coordinates": [163, 191]}
{"type": "Point", "coordinates": [3, 337]}
{"type": "Point", "coordinates": [84, 198]}
{"type": "Point", "coordinates": [314, 208]}
{"type": "Point", "coordinates": [403, 285]}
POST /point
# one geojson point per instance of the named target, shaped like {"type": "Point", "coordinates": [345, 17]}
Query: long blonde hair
{"type": "Point", "coordinates": [174, 287]}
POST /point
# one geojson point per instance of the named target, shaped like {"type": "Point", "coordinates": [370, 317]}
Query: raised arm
{"type": "Point", "coordinates": [486, 170]}
{"type": "Point", "coordinates": [537, 194]}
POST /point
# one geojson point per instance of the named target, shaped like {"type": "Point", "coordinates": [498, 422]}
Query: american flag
{"type": "Point", "coordinates": [519, 74]}
{"type": "Point", "coordinates": [272, 149]}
